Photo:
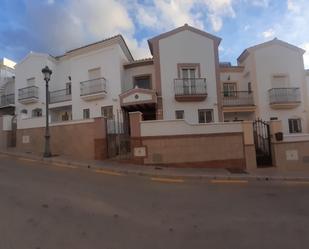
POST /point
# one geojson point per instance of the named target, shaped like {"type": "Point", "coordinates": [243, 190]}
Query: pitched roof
{"type": "Point", "coordinates": [117, 38]}
{"type": "Point", "coordinates": [140, 62]}
{"type": "Point", "coordinates": [275, 41]}
{"type": "Point", "coordinates": [216, 39]}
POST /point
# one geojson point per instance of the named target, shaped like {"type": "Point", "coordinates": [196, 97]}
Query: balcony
{"type": "Point", "coordinates": [284, 98]}
{"type": "Point", "coordinates": [193, 89]}
{"type": "Point", "coordinates": [60, 96]}
{"type": "Point", "coordinates": [7, 100]}
{"type": "Point", "coordinates": [93, 89]}
{"type": "Point", "coordinates": [237, 99]}
{"type": "Point", "coordinates": [28, 95]}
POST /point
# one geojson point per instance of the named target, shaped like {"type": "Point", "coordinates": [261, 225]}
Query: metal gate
{"type": "Point", "coordinates": [262, 143]}
{"type": "Point", "coordinates": [118, 136]}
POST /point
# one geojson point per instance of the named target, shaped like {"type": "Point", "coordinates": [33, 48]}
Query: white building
{"type": "Point", "coordinates": [7, 86]}
{"type": "Point", "coordinates": [183, 80]}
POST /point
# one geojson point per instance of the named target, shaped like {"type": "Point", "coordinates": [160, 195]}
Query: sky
{"type": "Point", "coordinates": [56, 26]}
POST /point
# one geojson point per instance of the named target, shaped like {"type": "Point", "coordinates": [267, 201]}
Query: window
{"type": "Point", "coordinates": [37, 112]}
{"type": "Point", "coordinates": [86, 113]}
{"type": "Point", "coordinates": [249, 87]}
{"type": "Point", "coordinates": [230, 89]}
{"type": "Point", "coordinates": [31, 81]}
{"type": "Point", "coordinates": [273, 118]}
{"type": "Point", "coordinates": [107, 112]}
{"type": "Point", "coordinates": [189, 75]}
{"type": "Point", "coordinates": [280, 81]}
{"type": "Point", "coordinates": [180, 114]}
{"type": "Point", "coordinates": [24, 111]}
{"type": "Point", "coordinates": [94, 73]}
{"type": "Point", "coordinates": [65, 116]}
{"type": "Point", "coordinates": [142, 81]}
{"type": "Point", "coordinates": [205, 116]}
{"type": "Point", "coordinates": [295, 125]}
{"type": "Point", "coordinates": [68, 88]}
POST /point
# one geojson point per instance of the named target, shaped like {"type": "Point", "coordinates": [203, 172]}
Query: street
{"type": "Point", "coordinates": [50, 206]}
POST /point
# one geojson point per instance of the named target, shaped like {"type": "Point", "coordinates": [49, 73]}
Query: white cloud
{"type": "Point", "coordinates": [293, 6]}
{"type": "Point", "coordinates": [270, 33]}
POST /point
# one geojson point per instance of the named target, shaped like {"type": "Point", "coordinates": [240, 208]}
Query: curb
{"type": "Point", "coordinates": [89, 166]}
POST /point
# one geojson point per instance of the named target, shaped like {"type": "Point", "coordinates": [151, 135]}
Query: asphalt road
{"type": "Point", "coordinates": [55, 207]}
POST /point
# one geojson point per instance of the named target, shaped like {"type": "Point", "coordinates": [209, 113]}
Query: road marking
{"type": "Point", "coordinates": [64, 166]}
{"type": "Point", "coordinates": [107, 172]}
{"type": "Point", "coordinates": [167, 180]}
{"type": "Point", "coordinates": [297, 182]}
{"type": "Point", "coordinates": [229, 181]}
{"type": "Point", "coordinates": [27, 160]}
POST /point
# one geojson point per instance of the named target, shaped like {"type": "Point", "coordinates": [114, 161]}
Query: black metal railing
{"type": "Point", "coordinates": [28, 92]}
{"type": "Point", "coordinates": [60, 96]}
{"type": "Point", "coordinates": [93, 86]}
{"type": "Point", "coordinates": [237, 98]}
{"type": "Point", "coordinates": [8, 99]}
{"type": "Point", "coordinates": [190, 87]}
{"type": "Point", "coordinates": [284, 95]}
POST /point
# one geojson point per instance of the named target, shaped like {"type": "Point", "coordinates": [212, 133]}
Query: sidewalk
{"type": "Point", "coordinates": [266, 174]}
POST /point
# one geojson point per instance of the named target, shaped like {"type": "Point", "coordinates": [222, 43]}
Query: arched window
{"type": "Point", "coordinates": [37, 112]}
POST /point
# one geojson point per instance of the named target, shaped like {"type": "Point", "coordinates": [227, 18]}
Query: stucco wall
{"type": "Point", "coordinates": [130, 73]}
{"type": "Point", "coordinates": [277, 59]}
{"type": "Point", "coordinates": [80, 140]}
{"type": "Point", "coordinates": [291, 155]}
{"type": "Point", "coordinates": [187, 47]}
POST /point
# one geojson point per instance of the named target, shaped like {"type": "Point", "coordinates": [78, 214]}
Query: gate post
{"type": "Point", "coordinates": [275, 127]}
{"type": "Point", "coordinates": [135, 137]}
{"type": "Point", "coordinates": [249, 147]}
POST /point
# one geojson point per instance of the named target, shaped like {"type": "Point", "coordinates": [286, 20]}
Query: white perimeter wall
{"type": "Point", "coordinates": [181, 127]}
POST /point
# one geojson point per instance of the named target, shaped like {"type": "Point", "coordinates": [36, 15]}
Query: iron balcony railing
{"type": "Point", "coordinates": [60, 96]}
{"type": "Point", "coordinates": [28, 93]}
{"type": "Point", "coordinates": [284, 95]}
{"type": "Point", "coordinates": [6, 100]}
{"type": "Point", "coordinates": [237, 98]}
{"type": "Point", "coordinates": [190, 87]}
{"type": "Point", "coordinates": [93, 86]}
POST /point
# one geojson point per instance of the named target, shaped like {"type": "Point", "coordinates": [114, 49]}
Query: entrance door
{"type": "Point", "coordinates": [189, 76]}
{"type": "Point", "coordinates": [262, 143]}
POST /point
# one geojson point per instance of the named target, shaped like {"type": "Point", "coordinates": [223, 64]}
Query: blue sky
{"type": "Point", "coordinates": [54, 26]}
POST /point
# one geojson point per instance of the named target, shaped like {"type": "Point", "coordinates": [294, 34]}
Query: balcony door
{"type": "Point", "coordinates": [189, 76]}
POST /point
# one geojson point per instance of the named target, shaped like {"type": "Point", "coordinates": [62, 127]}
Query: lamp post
{"type": "Point", "coordinates": [47, 73]}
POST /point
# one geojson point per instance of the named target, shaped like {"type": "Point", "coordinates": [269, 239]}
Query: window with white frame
{"type": "Point", "coordinates": [280, 81]}
{"type": "Point", "coordinates": [107, 112]}
{"type": "Point", "coordinates": [229, 89]}
{"type": "Point", "coordinates": [295, 125]}
{"type": "Point", "coordinates": [86, 113]}
{"type": "Point", "coordinates": [37, 112]}
{"type": "Point", "coordinates": [205, 116]}
{"type": "Point", "coordinates": [94, 73]}
{"type": "Point", "coordinates": [31, 81]}
{"type": "Point", "coordinates": [180, 114]}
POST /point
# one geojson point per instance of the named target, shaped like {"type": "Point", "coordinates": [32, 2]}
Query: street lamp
{"type": "Point", "coordinates": [47, 73]}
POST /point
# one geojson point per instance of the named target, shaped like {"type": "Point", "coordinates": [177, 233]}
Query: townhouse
{"type": "Point", "coordinates": [184, 79]}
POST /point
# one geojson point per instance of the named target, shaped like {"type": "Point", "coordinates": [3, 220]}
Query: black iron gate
{"type": "Point", "coordinates": [262, 143]}
{"type": "Point", "coordinates": [118, 136]}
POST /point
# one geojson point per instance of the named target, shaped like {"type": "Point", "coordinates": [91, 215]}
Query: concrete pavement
{"type": "Point", "coordinates": [264, 174]}
{"type": "Point", "coordinates": [48, 206]}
